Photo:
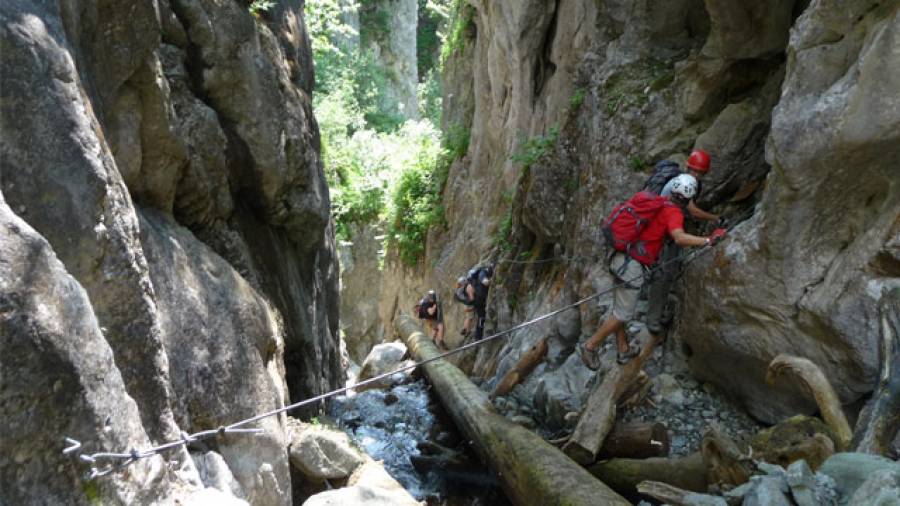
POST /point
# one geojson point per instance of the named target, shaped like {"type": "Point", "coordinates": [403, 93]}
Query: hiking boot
{"type": "Point", "coordinates": [591, 358]}
{"type": "Point", "coordinates": [623, 358]}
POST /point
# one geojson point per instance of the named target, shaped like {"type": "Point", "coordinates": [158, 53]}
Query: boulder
{"type": "Point", "coordinates": [559, 392]}
{"type": "Point", "coordinates": [881, 489]}
{"type": "Point", "coordinates": [213, 497]}
{"type": "Point", "coordinates": [321, 453]}
{"type": "Point", "coordinates": [383, 358]}
{"type": "Point", "coordinates": [60, 380]}
{"type": "Point", "coordinates": [369, 485]}
{"type": "Point", "coordinates": [804, 275]}
{"type": "Point", "coordinates": [851, 470]}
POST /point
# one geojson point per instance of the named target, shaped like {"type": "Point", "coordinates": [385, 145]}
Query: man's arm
{"type": "Point", "coordinates": [439, 331]}
{"type": "Point", "coordinates": [700, 214]}
{"type": "Point", "coordinates": [470, 292]}
{"type": "Point", "coordinates": [684, 239]}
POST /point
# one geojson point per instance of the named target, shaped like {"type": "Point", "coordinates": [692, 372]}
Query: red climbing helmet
{"type": "Point", "coordinates": [699, 160]}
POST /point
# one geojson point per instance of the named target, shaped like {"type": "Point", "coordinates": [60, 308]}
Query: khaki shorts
{"type": "Point", "coordinates": [625, 296]}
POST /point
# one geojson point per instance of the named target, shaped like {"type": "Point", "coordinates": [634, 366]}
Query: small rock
{"type": "Point", "coordinates": [709, 413]}
{"type": "Point", "coordinates": [803, 483]}
{"type": "Point", "coordinates": [390, 399]}
{"type": "Point", "coordinates": [766, 491]}
{"type": "Point", "coordinates": [524, 421]}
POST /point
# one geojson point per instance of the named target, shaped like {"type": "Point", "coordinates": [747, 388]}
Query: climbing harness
{"type": "Point", "coordinates": [118, 461]}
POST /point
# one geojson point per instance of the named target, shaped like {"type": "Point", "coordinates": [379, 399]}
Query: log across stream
{"type": "Point", "coordinates": [530, 470]}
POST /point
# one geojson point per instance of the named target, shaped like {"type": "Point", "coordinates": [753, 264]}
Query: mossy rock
{"type": "Point", "coordinates": [798, 437]}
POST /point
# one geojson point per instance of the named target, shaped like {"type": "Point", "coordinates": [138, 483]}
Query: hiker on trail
{"type": "Point", "coordinates": [430, 310]}
{"type": "Point", "coordinates": [637, 245]}
{"type": "Point", "coordinates": [661, 183]}
{"type": "Point", "coordinates": [473, 291]}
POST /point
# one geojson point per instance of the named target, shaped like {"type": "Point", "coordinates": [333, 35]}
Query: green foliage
{"type": "Point", "coordinates": [502, 238]}
{"type": "Point", "coordinates": [379, 167]}
{"type": "Point", "coordinates": [534, 148]}
{"type": "Point", "coordinates": [91, 492]}
{"type": "Point", "coordinates": [258, 6]}
{"type": "Point", "coordinates": [637, 163]}
{"type": "Point", "coordinates": [577, 99]}
{"type": "Point", "coordinates": [456, 141]}
{"type": "Point", "coordinates": [416, 204]}
{"type": "Point", "coordinates": [462, 20]}
{"type": "Point", "coordinates": [631, 86]}
{"type": "Point", "coordinates": [433, 14]}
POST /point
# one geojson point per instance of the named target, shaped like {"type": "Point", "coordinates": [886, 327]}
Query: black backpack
{"type": "Point", "coordinates": [663, 172]}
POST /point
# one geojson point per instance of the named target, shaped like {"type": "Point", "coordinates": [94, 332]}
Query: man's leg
{"type": "Point", "coordinates": [480, 314]}
{"type": "Point", "coordinates": [660, 286]}
{"type": "Point", "coordinates": [612, 324]}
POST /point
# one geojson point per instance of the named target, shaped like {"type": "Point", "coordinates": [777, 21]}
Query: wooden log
{"type": "Point", "coordinates": [668, 494]}
{"type": "Point", "coordinates": [815, 382]}
{"type": "Point", "coordinates": [726, 466]}
{"type": "Point", "coordinates": [624, 475]}
{"type": "Point", "coordinates": [636, 392]}
{"type": "Point", "coordinates": [599, 412]}
{"type": "Point", "coordinates": [526, 363]}
{"type": "Point", "coordinates": [530, 470]}
{"type": "Point", "coordinates": [636, 440]}
{"type": "Point", "coordinates": [878, 425]}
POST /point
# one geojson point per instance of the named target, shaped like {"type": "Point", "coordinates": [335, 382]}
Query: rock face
{"type": "Point", "coordinates": [172, 263]}
{"type": "Point", "coordinates": [804, 276]}
{"type": "Point", "coordinates": [568, 105]}
{"type": "Point", "coordinates": [388, 29]}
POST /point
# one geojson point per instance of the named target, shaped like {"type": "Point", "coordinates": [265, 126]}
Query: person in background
{"type": "Point", "coordinates": [472, 291]}
{"type": "Point", "coordinates": [429, 309]}
{"type": "Point", "coordinates": [661, 182]}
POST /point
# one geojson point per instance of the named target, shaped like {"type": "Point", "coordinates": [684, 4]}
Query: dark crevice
{"type": "Point", "coordinates": [544, 68]}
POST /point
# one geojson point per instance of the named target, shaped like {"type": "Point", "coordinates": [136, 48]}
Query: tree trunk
{"type": "Point", "coordinates": [668, 494]}
{"type": "Point", "coordinates": [623, 475]}
{"type": "Point", "coordinates": [522, 369]}
{"type": "Point", "coordinates": [599, 412]}
{"type": "Point", "coordinates": [878, 425]}
{"type": "Point", "coordinates": [820, 388]}
{"type": "Point", "coordinates": [531, 470]}
{"type": "Point", "coordinates": [637, 440]}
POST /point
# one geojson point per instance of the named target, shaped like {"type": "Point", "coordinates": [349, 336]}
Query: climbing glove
{"type": "Point", "coordinates": [716, 236]}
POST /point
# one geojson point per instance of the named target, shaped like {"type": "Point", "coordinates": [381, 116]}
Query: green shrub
{"type": "Point", "coordinates": [462, 20]}
{"type": "Point", "coordinates": [258, 6]}
{"type": "Point", "coordinates": [577, 99]}
{"type": "Point", "coordinates": [534, 148]}
{"type": "Point", "coordinates": [416, 203]}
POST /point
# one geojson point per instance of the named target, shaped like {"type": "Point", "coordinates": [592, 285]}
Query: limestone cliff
{"type": "Point", "coordinates": [168, 263]}
{"type": "Point", "coordinates": [570, 102]}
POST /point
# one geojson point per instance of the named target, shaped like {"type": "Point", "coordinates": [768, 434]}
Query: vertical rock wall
{"type": "Point", "coordinates": [160, 162]}
{"type": "Point", "coordinates": [776, 92]}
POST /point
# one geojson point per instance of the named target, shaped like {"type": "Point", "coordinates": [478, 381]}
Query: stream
{"type": "Point", "coordinates": [407, 429]}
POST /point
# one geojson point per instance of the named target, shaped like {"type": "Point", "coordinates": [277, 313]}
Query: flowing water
{"type": "Point", "coordinates": [395, 425]}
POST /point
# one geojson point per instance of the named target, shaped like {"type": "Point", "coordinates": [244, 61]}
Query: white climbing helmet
{"type": "Point", "coordinates": [685, 186]}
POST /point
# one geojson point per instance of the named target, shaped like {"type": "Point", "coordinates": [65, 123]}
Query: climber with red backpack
{"type": "Point", "coordinates": [636, 230]}
{"type": "Point", "coordinates": [660, 183]}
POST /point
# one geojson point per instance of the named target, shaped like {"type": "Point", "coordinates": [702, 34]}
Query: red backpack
{"type": "Point", "coordinates": [625, 223]}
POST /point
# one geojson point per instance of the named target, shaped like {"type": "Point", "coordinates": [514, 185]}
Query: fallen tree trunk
{"type": "Point", "coordinates": [820, 388]}
{"type": "Point", "coordinates": [637, 440]}
{"type": "Point", "coordinates": [624, 475]}
{"type": "Point", "coordinates": [531, 470]}
{"type": "Point", "coordinates": [599, 412]}
{"type": "Point", "coordinates": [878, 425]}
{"type": "Point", "coordinates": [667, 494]}
{"type": "Point", "coordinates": [523, 368]}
